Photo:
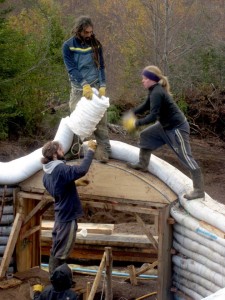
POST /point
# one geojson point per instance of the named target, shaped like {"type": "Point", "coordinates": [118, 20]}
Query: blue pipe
{"type": "Point", "coordinates": [113, 272]}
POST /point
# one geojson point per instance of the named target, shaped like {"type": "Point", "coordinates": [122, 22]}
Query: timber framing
{"type": "Point", "coordinates": [111, 187]}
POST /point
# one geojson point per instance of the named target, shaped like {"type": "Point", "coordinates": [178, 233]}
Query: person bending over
{"type": "Point", "coordinates": [169, 127]}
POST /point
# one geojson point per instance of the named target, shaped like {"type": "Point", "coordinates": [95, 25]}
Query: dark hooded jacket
{"type": "Point", "coordinates": [61, 280]}
{"type": "Point", "coordinates": [161, 107]}
{"type": "Point", "coordinates": [58, 180]}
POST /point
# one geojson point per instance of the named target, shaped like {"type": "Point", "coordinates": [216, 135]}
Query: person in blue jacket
{"type": "Point", "coordinates": [60, 288]}
{"type": "Point", "coordinates": [84, 61]}
{"type": "Point", "coordinates": [59, 181]}
{"type": "Point", "coordinates": [164, 124]}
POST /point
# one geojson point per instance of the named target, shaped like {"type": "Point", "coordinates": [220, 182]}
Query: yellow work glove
{"type": "Point", "coordinates": [37, 288]}
{"type": "Point", "coordinates": [129, 121]}
{"type": "Point", "coordinates": [92, 145]}
{"type": "Point", "coordinates": [102, 91]}
{"type": "Point", "coordinates": [87, 91]}
{"type": "Point", "coordinates": [82, 182]}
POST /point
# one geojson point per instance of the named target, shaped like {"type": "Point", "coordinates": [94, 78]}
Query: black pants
{"type": "Point", "coordinates": [177, 139]}
{"type": "Point", "coordinates": [63, 238]}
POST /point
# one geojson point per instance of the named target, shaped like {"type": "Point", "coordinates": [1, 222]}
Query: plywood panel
{"type": "Point", "coordinates": [115, 180]}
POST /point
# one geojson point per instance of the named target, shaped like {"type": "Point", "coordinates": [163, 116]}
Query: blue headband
{"type": "Point", "coordinates": [150, 75]}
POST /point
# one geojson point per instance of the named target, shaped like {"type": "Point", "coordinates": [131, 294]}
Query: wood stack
{"type": "Point", "coordinates": [126, 247]}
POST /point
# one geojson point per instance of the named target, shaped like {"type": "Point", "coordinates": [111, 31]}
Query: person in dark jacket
{"type": "Point", "coordinates": [169, 127]}
{"type": "Point", "coordinates": [59, 180]}
{"type": "Point", "coordinates": [83, 58]}
{"type": "Point", "coordinates": [61, 281]}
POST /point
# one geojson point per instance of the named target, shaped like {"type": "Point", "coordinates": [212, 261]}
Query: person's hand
{"type": "Point", "coordinates": [87, 91]}
{"type": "Point", "coordinates": [129, 122]}
{"type": "Point", "coordinates": [92, 145]}
{"type": "Point", "coordinates": [102, 91]}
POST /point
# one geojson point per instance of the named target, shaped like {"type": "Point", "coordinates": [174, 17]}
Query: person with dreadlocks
{"type": "Point", "coordinates": [170, 127]}
{"type": "Point", "coordinates": [83, 58]}
{"type": "Point", "coordinates": [61, 180]}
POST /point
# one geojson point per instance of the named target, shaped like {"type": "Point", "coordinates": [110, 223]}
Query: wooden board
{"type": "Point", "coordinates": [90, 227]}
{"type": "Point", "coordinates": [116, 181]}
{"type": "Point", "coordinates": [121, 240]}
{"type": "Point", "coordinates": [81, 252]}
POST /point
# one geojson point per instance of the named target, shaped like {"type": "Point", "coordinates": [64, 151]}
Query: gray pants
{"type": "Point", "coordinates": [101, 132]}
{"type": "Point", "coordinates": [177, 139]}
{"type": "Point", "coordinates": [63, 239]}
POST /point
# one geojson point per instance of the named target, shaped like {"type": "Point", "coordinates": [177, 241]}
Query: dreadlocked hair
{"type": "Point", "coordinates": [81, 24]}
{"type": "Point", "coordinates": [48, 151]}
{"type": "Point", "coordinates": [163, 79]}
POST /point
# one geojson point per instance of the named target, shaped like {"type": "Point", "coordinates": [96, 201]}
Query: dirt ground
{"type": "Point", "coordinates": [210, 154]}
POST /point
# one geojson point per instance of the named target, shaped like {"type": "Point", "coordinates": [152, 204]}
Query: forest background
{"type": "Point", "coordinates": [185, 38]}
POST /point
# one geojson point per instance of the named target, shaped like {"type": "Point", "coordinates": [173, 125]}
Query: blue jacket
{"type": "Point", "coordinates": [58, 180]}
{"type": "Point", "coordinates": [79, 62]}
{"type": "Point", "coordinates": [161, 108]}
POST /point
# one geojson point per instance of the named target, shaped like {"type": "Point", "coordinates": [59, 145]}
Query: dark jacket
{"type": "Point", "coordinates": [79, 62]}
{"type": "Point", "coordinates": [161, 107]}
{"type": "Point", "coordinates": [59, 180]}
{"type": "Point", "coordinates": [61, 280]}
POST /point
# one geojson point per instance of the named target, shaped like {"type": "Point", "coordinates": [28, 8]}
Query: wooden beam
{"type": "Point", "coordinates": [132, 278]}
{"type": "Point", "coordinates": [121, 207]}
{"type": "Point", "coordinates": [90, 227]}
{"type": "Point", "coordinates": [116, 239]}
{"type": "Point", "coordinates": [39, 207]}
{"type": "Point", "coordinates": [115, 200]}
{"type": "Point", "coordinates": [33, 196]}
{"type": "Point", "coordinates": [97, 278]}
{"type": "Point", "coordinates": [144, 268]}
{"type": "Point", "coordinates": [108, 272]}
{"type": "Point", "coordinates": [147, 232]}
{"type": "Point", "coordinates": [29, 232]}
{"type": "Point", "coordinates": [134, 255]}
{"type": "Point", "coordinates": [11, 244]}
{"type": "Point", "coordinates": [164, 255]}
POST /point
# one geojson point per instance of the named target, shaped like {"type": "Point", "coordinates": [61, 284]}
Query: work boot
{"type": "Point", "coordinates": [198, 185]}
{"type": "Point", "coordinates": [144, 157]}
{"type": "Point", "coordinates": [54, 263]}
{"type": "Point", "coordinates": [101, 154]}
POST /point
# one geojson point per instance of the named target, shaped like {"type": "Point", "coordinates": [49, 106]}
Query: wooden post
{"type": "Point", "coordinates": [28, 250]}
{"type": "Point", "coordinates": [164, 255]}
{"type": "Point", "coordinates": [108, 288]}
{"type": "Point", "coordinates": [133, 278]}
{"type": "Point", "coordinates": [143, 269]}
{"type": "Point", "coordinates": [11, 244]}
{"type": "Point", "coordinates": [88, 288]}
{"type": "Point", "coordinates": [97, 278]}
{"type": "Point", "coordinates": [147, 232]}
